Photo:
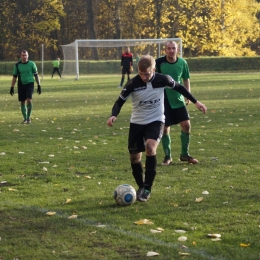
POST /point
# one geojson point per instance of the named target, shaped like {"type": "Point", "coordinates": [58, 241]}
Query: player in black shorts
{"type": "Point", "coordinates": [126, 65]}
{"type": "Point", "coordinates": [147, 119]}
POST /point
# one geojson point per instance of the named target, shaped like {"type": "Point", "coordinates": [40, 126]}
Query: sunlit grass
{"type": "Point", "coordinates": [68, 152]}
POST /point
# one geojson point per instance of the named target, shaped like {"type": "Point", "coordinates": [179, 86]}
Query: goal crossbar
{"type": "Point", "coordinates": [115, 43]}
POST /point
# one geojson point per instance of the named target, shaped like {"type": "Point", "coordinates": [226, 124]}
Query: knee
{"type": "Point", "coordinates": [186, 127]}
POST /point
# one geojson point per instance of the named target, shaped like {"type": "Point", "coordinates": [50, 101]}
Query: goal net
{"type": "Point", "coordinates": [83, 57]}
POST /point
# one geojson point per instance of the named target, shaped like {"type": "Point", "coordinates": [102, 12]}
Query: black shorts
{"type": "Point", "coordinates": [138, 134]}
{"type": "Point", "coordinates": [126, 70]}
{"type": "Point", "coordinates": [176, 115]}
{"type": "Point", "coordinates": [25, 91]}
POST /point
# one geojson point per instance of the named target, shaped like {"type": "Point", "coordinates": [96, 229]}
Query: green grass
{"type": "Point", "coordinates": [71, 115]}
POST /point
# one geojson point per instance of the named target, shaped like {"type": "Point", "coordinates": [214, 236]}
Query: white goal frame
{"type": "Point", "coordinates": [115, 43]}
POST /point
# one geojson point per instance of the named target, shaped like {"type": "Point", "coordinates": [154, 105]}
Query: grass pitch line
{"type": "Point", "coordinates": [159, 242]}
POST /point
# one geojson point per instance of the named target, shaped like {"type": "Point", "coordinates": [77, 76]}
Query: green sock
{"type": "Point", "coordinates": [185, 143]}
{"type": "Point", "coordinates": [166, 143]}
{"type": "Point", "coordinates": [29, 110]}
{"type": "Point", "coordinates": [24, 111]}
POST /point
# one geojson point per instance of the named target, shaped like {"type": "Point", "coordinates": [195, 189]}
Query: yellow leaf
{"type": "Point", "coordinates": [184, 253]}
{"type": "Point", "coordinates": [50, 213]}
{"type": "Point", "coordinates": [244, 245]}
{"type": "Point", "coordinates": [11, 189]}
{"type": "Point", "coordinates": [199, 199]}
{"type": "Point", "coordinates": [72, 216]}
{"type": "Point", "coordinates": [68, 200]}
{"type": "Point", "coordinates": [144, 222]}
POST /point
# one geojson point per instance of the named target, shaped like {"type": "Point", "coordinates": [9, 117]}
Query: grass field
{"type": "Point", "coordinates": [69, 162]}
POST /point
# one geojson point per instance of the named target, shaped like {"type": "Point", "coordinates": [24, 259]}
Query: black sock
{"type": "Point", "coordinates": [150, 171]}
{"type": "Point", "coordinates": [138, 174]}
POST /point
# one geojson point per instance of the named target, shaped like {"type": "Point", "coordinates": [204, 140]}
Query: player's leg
{"type": "Point", "coordinates": [122, 78]}
{"type": "Point", "coordinates": [135, 148]}
{"type": "Point", "coordinates": [166, 144]}
{"type": "Point", "coordinates": [58, 71]}
{"type": "Point", "coordinates": [53, 71]}
{"type": "Point", "coordinates": [153, 134]}
{"type": "Point", "coordinates": [185, 142]}
{"type": "Point", "coordinates": [128, 74]}
{"type": "Point", "coordinates": [22, 99]}
{"type": "Point", "coordinates": [170, 119]}
{"type": "Point", "coordinates": [29, 93]}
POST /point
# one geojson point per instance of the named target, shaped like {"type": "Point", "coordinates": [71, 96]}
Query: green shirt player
{"type": "Point", "coordinates": [56, 67]}
{"type": "Point", "coordinates": [174, 102]}
{"type": "Point", "coordinates": [26, 71]}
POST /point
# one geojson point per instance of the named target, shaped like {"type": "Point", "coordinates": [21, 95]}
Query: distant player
{"type": "Point", "coordinates": [25, 70]}
{"type": "Point", "coordinates": [174, 102]}
{"type": "Point", "coordinates": [56, 67]}
{"type": "Point", "coordinates": [126, 65]}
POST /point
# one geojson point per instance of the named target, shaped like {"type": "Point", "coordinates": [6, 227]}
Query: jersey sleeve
{"type": "Point", "coordinates": [117, 107]}
{"type": "Point", "coordinates": [185, 71]}
{"type": "Point", "coordinates": [34, 69]}
{"type": "Point", "coordinates": [15, 72]}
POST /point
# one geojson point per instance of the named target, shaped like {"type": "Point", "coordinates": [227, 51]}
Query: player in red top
{"type": "Point", "coordinates": [126, 65]}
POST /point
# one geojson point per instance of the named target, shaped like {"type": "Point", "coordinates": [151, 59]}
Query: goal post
{"type": "Point", "coordinates": [78, 52]}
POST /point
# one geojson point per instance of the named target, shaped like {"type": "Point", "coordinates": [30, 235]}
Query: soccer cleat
{"type": "Point", "coordinates": [167, 161]}
{"type": "Point", "coordinates": [24, 121]}
{"type": "Point", "coordinates": [143, 195]}
{"type": "Point", "coordinates": [119, 87]}
{"type": "Point", "coordinates": [28, 121]}
{"type": "Point", "coordinates": [189, 159]}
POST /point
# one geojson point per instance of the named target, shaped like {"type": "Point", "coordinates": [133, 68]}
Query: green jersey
{"type": "Point", "coordinates": [56, 63]}
{"type": "Point", "coordinates": [25, 71]}
{"type": "Point", "coordinates": [178, 70]}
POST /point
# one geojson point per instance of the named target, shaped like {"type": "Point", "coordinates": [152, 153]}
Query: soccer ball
{"type": "Point", "coordinates": [124, 195]}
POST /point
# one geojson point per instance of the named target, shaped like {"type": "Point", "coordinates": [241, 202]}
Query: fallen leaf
{"type": "Point", "coordinates": [44, 169]}
{"type": "Point", "coordinates": [101, 226]}
{"type": "Point", "coordinates": [160, 229]}
{"type": "Point", "coordinates": [144, 222]}
{"type": "Point", "coordinates": [50, 213]}
{"type": "Point", "coordinates": [182, 239]}
{"type": "Point", "coordinates": [185, 169]}
{"type": "Point", "coordinates": [68, 200]}
{"type": "Point", "coordinates": [205, 192]}
{"type": "Point", "coordinates": [16, 130]}
{"type": "Point", "coordinates": [215, 239]}
{"type": "Point", "coordinates": [72, 216]}
{"type": "Point", "coordinates": [151, 253]}
{"type": "Point", "coordinates": [11, 189]}
{"type": "Point", "coordinates": [199, 199]}
{"type": "Point", "coordinates": [180, 231]}
{"type": "Point", "coordinates": [214, 235]}
{"type": "Point", "coordinates": [51, 155]}
{"type": "Point", "coordinates": [244, 245]}
{"type": "Point", "coordinates": [184, 253]}
{"type": "Point", "coordinates": [155, 231]}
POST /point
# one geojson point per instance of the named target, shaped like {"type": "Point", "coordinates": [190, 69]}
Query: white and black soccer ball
{"type": "Point", "coordinates": [124, 195]}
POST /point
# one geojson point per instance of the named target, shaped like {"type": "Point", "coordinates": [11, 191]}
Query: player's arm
{"type": "Point", "coordinates": [181, 89]}
{"type": "Point", "coordinates": [115, 111]}
{"type": "Point", "coordinates": [12, 85]}
{"type": "Point", "coordinates": [186, 83]}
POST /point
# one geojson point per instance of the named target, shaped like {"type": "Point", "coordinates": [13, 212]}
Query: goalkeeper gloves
{"type": "Point", "coordinates": [11, 91]}
{"type": "Point", "coordinates": [131, 69]}
{"type": "Point", "coordinates": [39, 89]}
{"type": "Point", "coordinates": [121, 67]}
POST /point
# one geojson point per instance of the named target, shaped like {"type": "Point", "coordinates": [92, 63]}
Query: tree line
{"type": "Point", "coordinates": [207, 27]}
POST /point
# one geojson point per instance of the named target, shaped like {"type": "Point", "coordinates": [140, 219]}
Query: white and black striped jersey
{"type": "Point", "coordinates": [148, 98]}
